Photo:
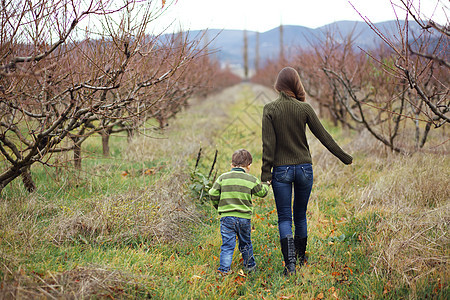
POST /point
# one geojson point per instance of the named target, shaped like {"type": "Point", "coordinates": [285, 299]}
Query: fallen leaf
{"type": "Point", "coordinates": [258, 217]}
{"type": "Point", "coordinates": [320, 296]}
{"type": "Point", "coordinates": [239, 280]}
{"type": "Point", "coordinates": [150, 171]}
{"type": "Point", "coordinates": [287, 297]}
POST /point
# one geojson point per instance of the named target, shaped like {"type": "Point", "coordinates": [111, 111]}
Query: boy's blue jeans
{"type": "Point", "coordinates": [230, 228]}
{"type": "Point", "coordinates": [284, 178]}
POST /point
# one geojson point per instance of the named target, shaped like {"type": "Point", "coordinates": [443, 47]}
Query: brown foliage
{"type": "Point", "coordinates": [109, 80]}
{"type": "Point", "coordinates": [397, 92]}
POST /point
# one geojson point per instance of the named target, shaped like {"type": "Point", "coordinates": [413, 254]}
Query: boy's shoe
{"type": "Point", "coordinates": [222, 273]}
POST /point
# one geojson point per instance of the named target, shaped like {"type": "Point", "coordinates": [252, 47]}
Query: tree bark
{"type": "Point", "coordinates": [27, 180]}
{"type": "Point", "coordinates": [13, 173]}
{"type": "Point", "coordinates": [77, 156]}
{"type": "Point", "coordinates": [105, 142]}
{"type": "Point", "coordinates": [130, 134]}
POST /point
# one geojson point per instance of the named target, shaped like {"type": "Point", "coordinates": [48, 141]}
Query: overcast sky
{"type": "Point", "coordinates": [263, 15]}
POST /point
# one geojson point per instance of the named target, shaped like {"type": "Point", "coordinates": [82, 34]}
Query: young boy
{"type": "Point", "coordinates": [231, 195]}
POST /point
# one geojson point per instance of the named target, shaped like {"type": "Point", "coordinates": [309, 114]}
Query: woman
{"type": "Point", "coordinates": [287, 163]}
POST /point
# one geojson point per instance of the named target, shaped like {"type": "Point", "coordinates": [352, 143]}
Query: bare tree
{"type": "Point", "coordinates": [405, 79]}
{"type": "Point", "coordinates": [61, 80]}
{"type": "Point", "coordinates": [420, 65]}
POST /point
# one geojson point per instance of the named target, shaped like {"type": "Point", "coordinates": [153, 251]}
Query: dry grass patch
{"type": "Point", "coordinates": [411, 240]}
{"type": "Point", "coordinates": [410, 194]}
{"type": "Point", "coordinates": [414, 245]}
{"type": "Point", "coordinates": [421, 180]}
{"type": "Point", "coordinates": [79, 283]}
{"type": "Point", "coordinates": [158, 213]}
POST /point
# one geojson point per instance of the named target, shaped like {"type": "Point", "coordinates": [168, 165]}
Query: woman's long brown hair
{"type": "Point", "coordinates": [288, 81]}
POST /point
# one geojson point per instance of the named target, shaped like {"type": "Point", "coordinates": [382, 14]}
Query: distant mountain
{"type": "Point", "coordinates": [227, 45]}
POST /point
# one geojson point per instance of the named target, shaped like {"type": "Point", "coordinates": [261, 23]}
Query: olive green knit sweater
{"type": "Point", "coordinates": [283, 135]}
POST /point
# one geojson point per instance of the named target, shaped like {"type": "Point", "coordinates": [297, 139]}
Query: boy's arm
{"type": "Point", "coordinates": [260, 189]}
{"type": "Point", "coordinates": [214, 194]}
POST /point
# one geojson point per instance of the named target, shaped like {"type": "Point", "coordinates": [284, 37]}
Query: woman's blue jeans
{"type": "Point", "coordinates": [230, 228]}
{"type": "Point", "coordinates": [285, 179]}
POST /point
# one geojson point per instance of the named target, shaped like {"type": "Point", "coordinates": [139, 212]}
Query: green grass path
{"type": "Point", "coordinates": [108, 232]}
{"type": "Point", "coordinates": [338, 264]}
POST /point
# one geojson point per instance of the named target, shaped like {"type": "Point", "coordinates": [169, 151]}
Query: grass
{"type": "Point", "coordinates": [377, 228]}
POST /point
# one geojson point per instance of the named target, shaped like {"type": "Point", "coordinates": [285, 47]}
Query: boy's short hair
{"type": "Point", "coordinates": [241, 158]}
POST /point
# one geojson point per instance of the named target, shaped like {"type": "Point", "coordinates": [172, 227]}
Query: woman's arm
{"type": "Point", "coordinates": [269, 141]}
{"type": "Point", "coordinates": [325, 138]}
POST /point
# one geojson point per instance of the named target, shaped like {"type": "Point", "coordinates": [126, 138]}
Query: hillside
{"type": "Point", "coordinates": [228, 44]}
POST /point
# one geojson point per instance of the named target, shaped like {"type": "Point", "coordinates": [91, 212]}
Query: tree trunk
{"type": "Point", "coordinates": [27, 180]}
{"type": "Point", "coordinates": [5, 182]}
{"type": "Point", "coordinates": [130, 134]}
{"type": "Point", "coordinates": [425, 135]}
{"type": "Point", "coordinates": [77, 148]}
{"type": "Point", "coordinates": [105, 142]}
{"type": "Point", "coordinates": [77, 156]}
{"type": "Point", "coordinates": [14, 172]}
{"type": "Point", "coordinates": [417, 136]}
{"type": "Point", "coordinates": [7, 177]}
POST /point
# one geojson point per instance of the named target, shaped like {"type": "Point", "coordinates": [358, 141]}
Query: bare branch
{"type": "Point", "coordinates": [430, 57]}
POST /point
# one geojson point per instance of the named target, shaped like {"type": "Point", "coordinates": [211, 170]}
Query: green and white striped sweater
{"type": "Point", "coordinates": [232, 193]}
